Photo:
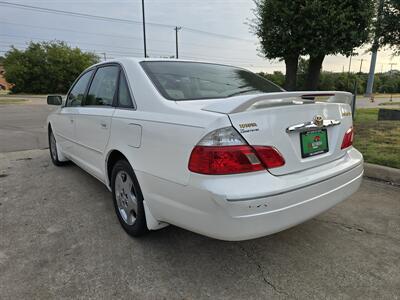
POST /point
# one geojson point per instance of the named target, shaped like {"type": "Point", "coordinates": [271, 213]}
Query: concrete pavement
{"type": "Point", "coordinates": [23, 126]}
{"type": "Point", "coordinates": [364, 102]}
{"type": "Point", "coordinates": [60, 239]}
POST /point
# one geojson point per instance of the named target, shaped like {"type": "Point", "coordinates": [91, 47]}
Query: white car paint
{"type": "Point", "coordinates": [158, 136]}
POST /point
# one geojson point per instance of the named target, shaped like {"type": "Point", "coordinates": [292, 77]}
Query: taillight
{"type": "Point", "coordinates": [348, 138]}
{"type": "Point", "coordinates": [224, 151]}
{"type": "Point", "coordinates": [224, 160]}
{"type": "Point", "coordinates": [270, 157]}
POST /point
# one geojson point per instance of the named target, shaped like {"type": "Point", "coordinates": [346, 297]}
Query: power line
{"type": "Point", "coordinates": [81, 32]}
{"type": "Point", "coordinates": [112, 46]}
{"type": "Point", "coordinates": [160, 53]}
{"type": "Point", "coordinates": [235, 49]}
{"type": "Point", "coordinates": [106, 48]}
{"type": "Point", "coordinates": [76, 14]}
{"type": "Point", "coordinates": [68, 41]}
{"type": "Point", "coordinates": [138, 54]}
{"type": "Point", "coordinates": [216, 34]}
{"type": "Point", "coordinates": [110, 19]}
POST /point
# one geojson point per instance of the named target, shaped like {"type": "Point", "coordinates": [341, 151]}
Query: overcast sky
{"type": "Point", "coordinates": [224, 17]}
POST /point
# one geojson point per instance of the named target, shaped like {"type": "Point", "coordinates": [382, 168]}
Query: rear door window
{"type": "Point", "coordinates": [103, 87]}
{"type": "Point", "coordinates": [195, 81]}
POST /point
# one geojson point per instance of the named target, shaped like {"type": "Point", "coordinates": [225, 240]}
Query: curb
{"type": "Point", "coordinates": [382, 173]}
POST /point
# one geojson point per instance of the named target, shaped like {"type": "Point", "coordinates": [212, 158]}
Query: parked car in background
{"type": "Point", "coordinates": [211, 148]}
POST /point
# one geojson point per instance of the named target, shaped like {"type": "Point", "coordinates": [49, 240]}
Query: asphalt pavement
{"type": "Point", "coordinates": [365, 102]}
{"type": "Point", "coordinates": [23, 126]}
{"type": "Point", "coordinates": [60, 239]}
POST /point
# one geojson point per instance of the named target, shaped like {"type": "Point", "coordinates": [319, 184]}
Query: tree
{"type": "Point", "coordinates": [274, 24]}
{"type": "Point", "coordinates": [276, 77]}
{"type": "Point", "coordinates": [46, 67]}
{"type": "Point", "coordinates": [389, 29]}
{"type": "Point", "coordinates": [311, 27]}
{"type": "Point", "coordinates": [335, 27]}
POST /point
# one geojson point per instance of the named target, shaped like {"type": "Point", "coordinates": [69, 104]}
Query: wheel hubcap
{"type": "Point", "coordinates": [53, 146]}
{"type": "Point", "coordinates": [126, 199]}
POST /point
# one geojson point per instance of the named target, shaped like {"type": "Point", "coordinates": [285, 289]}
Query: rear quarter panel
{"type": "Point", "coordinates": [158, 135]}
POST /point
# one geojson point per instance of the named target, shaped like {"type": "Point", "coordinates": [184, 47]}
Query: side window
{"type": "Point", "coordinates": [124, 96]}
{"type": "Point", "coordinates": [102, 89]}
{"type": "Point", "coordinates": [77, 93]}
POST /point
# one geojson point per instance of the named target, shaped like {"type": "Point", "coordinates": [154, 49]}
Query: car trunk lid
{"type": "Point", "coordinates": [290, 122]}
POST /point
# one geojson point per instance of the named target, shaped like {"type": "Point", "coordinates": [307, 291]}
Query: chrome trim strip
{"type": "Point", "coordinates": [311, 125]}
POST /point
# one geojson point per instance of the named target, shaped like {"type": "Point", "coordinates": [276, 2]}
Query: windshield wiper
{"type": "Point", "coordinates": [242, 92]}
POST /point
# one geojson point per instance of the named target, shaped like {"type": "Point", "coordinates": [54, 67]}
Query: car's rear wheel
{"type": "Point", "coordinates": [53, 149]}
{"type": "Point", "coordinates": [128, 199]}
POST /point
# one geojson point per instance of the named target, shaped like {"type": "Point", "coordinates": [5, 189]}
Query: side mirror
{"type": "Point", "coordinates": [54, 100]}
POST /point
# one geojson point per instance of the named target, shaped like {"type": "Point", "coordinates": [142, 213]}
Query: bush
{"type": "Point", "coordinates": [46, 67]}
{"type": "Point", "coordinates": [384, 82]}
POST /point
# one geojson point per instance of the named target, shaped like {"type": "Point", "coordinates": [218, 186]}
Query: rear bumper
{"type": "Point", "coordinates": [266, 204]}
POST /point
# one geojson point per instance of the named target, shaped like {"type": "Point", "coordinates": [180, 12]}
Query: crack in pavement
{"type": "Point", "coordinates": [260, 269]}
{"type": "Point", "coordinates": [355, 228]}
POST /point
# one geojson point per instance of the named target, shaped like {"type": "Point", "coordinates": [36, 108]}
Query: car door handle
{"type": "Point", "coordinates": [71, 120]}
{"type": "Point", "coordinates": [103, 125]}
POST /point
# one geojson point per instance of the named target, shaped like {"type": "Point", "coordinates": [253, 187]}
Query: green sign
{"type": "Point", "coordinates": [314, 142]}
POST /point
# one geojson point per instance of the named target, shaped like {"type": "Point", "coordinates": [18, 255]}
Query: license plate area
{"type": "Point", "coordinates": [314, 142]}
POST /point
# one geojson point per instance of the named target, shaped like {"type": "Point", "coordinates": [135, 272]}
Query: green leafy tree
{"type": "Point", "coordinates": [46, 67]}
{"type": "Point", "coordinates": [277, 77]}
{"type": "Point", "coordinates": [334, 27]}
{"type": "Point", "coordinates": [389, 29]}
{"type": "Point", "coordinates": [289, 29]}
{"type": "Point", "coordinates": [274, 24]}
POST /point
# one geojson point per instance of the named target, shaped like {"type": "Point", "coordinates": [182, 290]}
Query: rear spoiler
{"type": "Point", "coordinates": [245, 103]}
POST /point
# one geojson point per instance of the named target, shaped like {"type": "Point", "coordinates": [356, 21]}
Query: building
{"type": "Point", "coordinates": [4, 85]}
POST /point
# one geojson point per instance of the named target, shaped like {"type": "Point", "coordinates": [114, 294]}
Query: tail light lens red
{"type": "Point", "coordinates": [219, 160]}
{"type": "Point", "coordinates": [222, 160]}
{"type": "Point", "coordinates": [348, 138]}
{"type": "Point", "coordinates": [224, 151]}
{"type": "Point", "coordinates": [270, 156]}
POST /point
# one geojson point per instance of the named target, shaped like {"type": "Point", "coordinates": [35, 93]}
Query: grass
{"type": "Point", "coordinates": [378, 141]}
{"type": "Point", "coordinates": [12, 101]}
{"type": "Point", "coordinates": [390, 103]}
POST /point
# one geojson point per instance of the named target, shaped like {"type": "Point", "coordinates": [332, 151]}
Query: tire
{"type": "Point", "coordinates": [53, 149]}
{"type": "Point", "coordinates": [128, 199]}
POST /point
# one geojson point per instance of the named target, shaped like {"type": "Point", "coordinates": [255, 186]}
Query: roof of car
{"type": "Point", "coordinates": [142, 59]}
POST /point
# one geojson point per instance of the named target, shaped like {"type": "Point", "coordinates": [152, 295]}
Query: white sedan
{"type": "Point", "coordinates": [211, 148]}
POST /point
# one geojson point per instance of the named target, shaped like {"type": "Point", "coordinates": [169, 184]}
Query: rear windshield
{"type": "Point", "coordinates": [180, 81]}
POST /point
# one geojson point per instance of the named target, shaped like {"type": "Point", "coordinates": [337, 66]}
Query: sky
{"type": "Point", "coordinates": [231, 41]}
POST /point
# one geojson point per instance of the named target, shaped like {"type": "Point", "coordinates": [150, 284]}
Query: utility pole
{"type": "Point", "coordinates": [351, 55]}
{"type": "Point", "coordinates": [144, 31]}
{"type": "Point", "coordinates": [104, 56]}
{"type": "Point", "coordinates": [348, 73]}
{"type": "Point", "coordinates": [391, 73]}
{"type": "Point", "coordinates": [362, 59]}
{"type": "Point", "coordinates": [176, 41]}
{"type": "Point", "coordinates": [375, 47]}
{"type": "Point", "coordinates": [391, 68]}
